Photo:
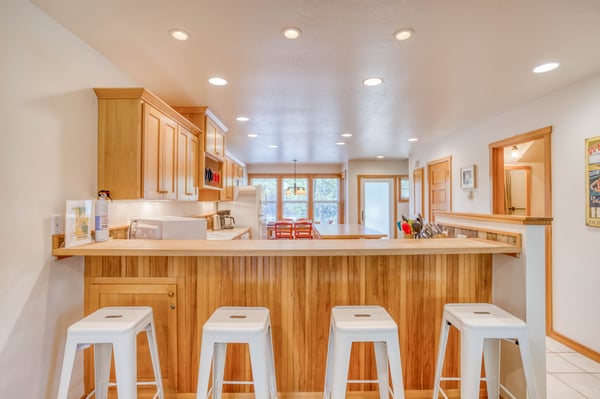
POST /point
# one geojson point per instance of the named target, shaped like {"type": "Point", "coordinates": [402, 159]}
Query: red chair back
{"type": "Point", "coordinates": [284, 230]}
{"type": "Point", "coordinates": [303, 230]}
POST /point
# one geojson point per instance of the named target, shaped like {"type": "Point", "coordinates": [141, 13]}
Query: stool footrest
{"type": "Point", "coordinates": [238, 382]}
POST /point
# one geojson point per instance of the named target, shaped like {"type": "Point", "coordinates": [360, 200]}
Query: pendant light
{"type": "Point", "coordinates": [296, 190]}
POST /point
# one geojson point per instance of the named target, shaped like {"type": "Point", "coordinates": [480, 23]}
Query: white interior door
{"type": "Point", "coordinates": [377, 204]}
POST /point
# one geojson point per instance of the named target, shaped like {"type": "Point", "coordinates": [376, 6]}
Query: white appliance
{"type": "Point", "coordinates": [168, 228]}
{"type": "Point", "coordinates": [247, 209]}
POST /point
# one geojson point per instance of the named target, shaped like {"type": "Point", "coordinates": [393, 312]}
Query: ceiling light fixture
{"type": "Point", "coordinates": [179, 34]}
{"type": "Point", "coordinates": [347, 135]}
{"type": "Point", "coordinates": [413, 139]}
{"type": "Point", "coordinates": [253, 135]}
{"type": "Point", "coordinates": [404, 34]}
{"type": "Point", "coordinates": [514, 152]}
{"type": "Point", "coordinates": [242, 119]}
{"type": "Point", "coordinates": [217, 81]}
{"type": "Point", "coordinates": [374, 81]}
{"type": "Point", "coordinates": [296, 190]}
{"type": "Point", "coordinates": [340, 143]}
{"type": "Point", "coordinates": [291, 33]}
{"type": "Point", "coordinates": [272, 146]}
{"type": "Point", "coordinates": [546, 67]}
{"type": "Point", "coordinates": [380, 157]}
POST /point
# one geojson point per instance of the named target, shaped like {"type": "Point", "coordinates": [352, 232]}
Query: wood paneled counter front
{"type": "Point", "coordinates": [299, 281]}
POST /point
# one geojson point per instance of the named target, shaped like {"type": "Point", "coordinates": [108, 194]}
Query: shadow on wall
{"type": "Point", "coordinates": [41, 328]}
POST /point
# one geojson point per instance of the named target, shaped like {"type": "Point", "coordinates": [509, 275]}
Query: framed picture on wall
{"type": "Point", "coordinates": [78, 223]}
{"type": "Point", "coordinates": [467, 177]}
{"type": "Point", "coordinates": [592, 178]}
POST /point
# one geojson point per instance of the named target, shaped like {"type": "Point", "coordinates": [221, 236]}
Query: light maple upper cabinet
{"type": "Point", "coordinates": [138, 145]}
{"type": "Point", "coordinates": [234, 176]}
{"type": "Point", "coordinates": [212, 170]}
{"type": "Point", "coordinates": [187, 176]}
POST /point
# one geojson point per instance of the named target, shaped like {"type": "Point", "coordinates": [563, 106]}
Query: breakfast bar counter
{"type": "Point", "coordinates": [299, 281]}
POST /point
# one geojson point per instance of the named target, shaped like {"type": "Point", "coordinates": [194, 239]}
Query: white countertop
{"type": "Point", "coordinates": [226, 234]}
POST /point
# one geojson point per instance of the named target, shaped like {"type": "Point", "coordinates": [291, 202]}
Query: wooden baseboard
{"type": "Point", "coordinates": [584, 350]}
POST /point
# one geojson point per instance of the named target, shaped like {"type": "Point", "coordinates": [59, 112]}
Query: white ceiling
{"type": "Point", "coordinates": [469, 60]}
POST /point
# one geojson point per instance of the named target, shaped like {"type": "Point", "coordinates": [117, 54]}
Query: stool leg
{"type": "Point", "coordinates": [151, 335]}
{"type": "Point", "coordinates": [393, 348]}
{"type": "Point", "coordinates": [219, 357]}
{"type": "Point", "coordinates": [341, 361]}
{"type": "Point", "coordinates": [102, 356]}
{"type": "Point", "coordinates": [471, 348]}
{"type": "Point", "coordinates": [328, 364]}
{"type": "Point", "coordinates": [491, 359]}
{"type": "Point", "coordinates": [258, 362]}
{"type": "Point", "coordinates": [67, 368]}
{"type": "Point", "coordinates": [206, 354]}
{"type": "Point", "coordinates": [381, 361]}
{"type": "Point", "coordinates": [528, 368]}
{"type": "Point", "coordinates": [440, 358]}
{"type": "Point", "coordinates": [271, 361]}
{"type": "Point", "coordinates": [126, 367]}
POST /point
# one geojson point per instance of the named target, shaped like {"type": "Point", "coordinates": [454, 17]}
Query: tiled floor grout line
{"type": "Point", "coordinates": [557, 375]}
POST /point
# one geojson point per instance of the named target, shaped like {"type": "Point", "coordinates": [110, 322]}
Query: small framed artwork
{"type": "Point", "coordinates": [467, 177]}
{"type": "Point", "coordinates": [592, 179]}
{"type": "Point", "coordinates": [78, 223]}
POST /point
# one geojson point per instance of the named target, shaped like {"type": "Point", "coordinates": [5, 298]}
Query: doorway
{"type": "Point", "coordinates": [439, 175]}
{"type": "Point", "coordinates": [376, 203]}
{"type": "Point", "coordinates": [531, 149]}
{"type": "Point", "coordinates": [517, 190]}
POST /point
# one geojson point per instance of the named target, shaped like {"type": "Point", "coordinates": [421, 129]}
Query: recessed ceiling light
{"type": "Point", "coordinates": [347, 135]}
{"type": "Point", "coordinates": [179, 34]}
{"type": "Point", "coordinates": [242, 119]}
{"type": "Point", "coordinates": [413, 139]}
{"type": "Point", "coordinates": [404, 34]}
{"type": "Point", "coordinates": [546, 67]}
{"type": "Point", "coordinates": [252, 135]}
{"type": "Point", "coordinates": [217, 81]}
{"type": "Point", "coordinates": [272, 146]}
{"type": "Point", "coordinates": [374, 81]}
{"type": "Point", "coordinates": [380, 157]}
{"type": "Point", "coordinates": [291, 33]}
{"type": "Point", "coordinates": [340, 143]}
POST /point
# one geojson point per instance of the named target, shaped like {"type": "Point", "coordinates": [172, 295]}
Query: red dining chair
{"type": "Point", "coordinates": [303, 231]}
{"type": "Point", "coordinates": [284, 230]}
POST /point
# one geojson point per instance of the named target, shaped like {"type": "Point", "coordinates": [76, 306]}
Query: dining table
{"type": "Point", "coordinates": [346, 231]}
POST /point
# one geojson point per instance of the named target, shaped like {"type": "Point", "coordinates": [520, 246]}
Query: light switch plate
{"type": "Point", "coordinates": [57, 224]}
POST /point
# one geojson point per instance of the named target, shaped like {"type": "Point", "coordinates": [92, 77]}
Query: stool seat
{"type": "Point", "coordinates": [362, 324]}
{"type": "Point", "coordinates": [112, 329]}
{"type": "Point", "coordinates": [250, 325]}
{"type": "Point", "coordinates": [482, 326]}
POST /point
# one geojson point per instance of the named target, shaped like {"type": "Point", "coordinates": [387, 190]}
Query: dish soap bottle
{"type": "Point", "coordinates": [101, 216]}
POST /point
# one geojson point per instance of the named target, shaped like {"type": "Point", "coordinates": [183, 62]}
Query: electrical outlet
{"type": "Point", "coordinates": [57, 224]}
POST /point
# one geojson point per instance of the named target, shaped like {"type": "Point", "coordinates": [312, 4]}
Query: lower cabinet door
{"type": "Point", "coordinates": [162, 297]}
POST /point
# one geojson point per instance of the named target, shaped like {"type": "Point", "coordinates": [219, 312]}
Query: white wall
{"type": "Point", "coordinates": [47, 155]}
{"type": "Point", "coordinates": [378, 167]}
{"type": "Point", "coordinates": [573, 113]}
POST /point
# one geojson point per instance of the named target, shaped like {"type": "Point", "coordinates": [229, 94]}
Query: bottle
{"type": "Point", "coordinates": [101, 215]}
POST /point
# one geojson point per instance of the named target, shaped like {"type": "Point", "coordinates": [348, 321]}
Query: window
{"type": "Point", "coordinates": [403, 188]}
{"type": "Point", "coordinates": [269, 189]}
{"type": "Point", "coordinates": [315, 197]}
{"type": "Point", "coordinates": [326, 193]}
{"type": "Point", "coordinates": [295, 198]}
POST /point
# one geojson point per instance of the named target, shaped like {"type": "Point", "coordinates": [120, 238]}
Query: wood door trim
{"type": "Point", "coordinates": [420, 170]}
{"type": "Point", "coordinates": [429, 164]}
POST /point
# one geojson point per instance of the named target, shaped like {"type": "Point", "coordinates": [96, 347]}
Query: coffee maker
{"type": "Point", "coordinates": [227, 221]}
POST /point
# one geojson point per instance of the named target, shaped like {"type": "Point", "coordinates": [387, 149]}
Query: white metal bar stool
{"type": "Point", "coordinates": [363, 324]}
{"type": "Point", "coordinates": [248, 325]}
{"type": "Point", "coordinates": [482, 326]}
{"type": "Point", "coordinates": [108, 329]}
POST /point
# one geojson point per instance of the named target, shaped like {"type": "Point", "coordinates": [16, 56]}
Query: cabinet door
{"type": "Point", "coordinates": [227, 192]}
{"type": "Point", "coordinates": [210, 136]}
{"type": "Point", "coordinates": [219, 143]}
{"type": "Point", "coordinates": [162, 297]}
{"type": "Point", "coordinates": [159, 172]}
{"type": "Point", "coordinates": [187, 162]}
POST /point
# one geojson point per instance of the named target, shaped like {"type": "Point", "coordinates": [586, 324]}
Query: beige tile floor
{"type": "Point", "coordinates": [570, 375]}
